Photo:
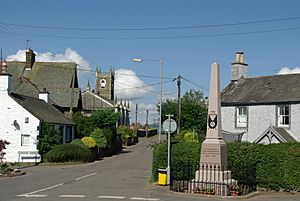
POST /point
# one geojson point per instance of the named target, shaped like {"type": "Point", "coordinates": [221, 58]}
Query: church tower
{"type": "Point", "coordinates": [105, 83]}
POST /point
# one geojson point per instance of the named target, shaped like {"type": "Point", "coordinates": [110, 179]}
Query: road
{"type": "Point", "coordinates": [125, 176]}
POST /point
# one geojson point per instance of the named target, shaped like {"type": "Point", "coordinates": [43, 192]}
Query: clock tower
{"type": "Point", "coordinates": [105, 83]}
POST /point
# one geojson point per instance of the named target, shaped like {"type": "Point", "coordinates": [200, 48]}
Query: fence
{"type": "Point", "coordinates": [212, 180]}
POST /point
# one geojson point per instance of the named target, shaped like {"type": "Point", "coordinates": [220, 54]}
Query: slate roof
{"type": "Point", "coordinates": [41, 110]}
{"type": "Point", "coordinates": [277, 89]}
{"type": "Point", "coordinates": [92, 101]}
{"type": "Point", "coordinates": [56, 77]}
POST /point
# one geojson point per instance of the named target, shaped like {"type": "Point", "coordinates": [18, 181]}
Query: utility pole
{"type": "Point", "coordinates": [136, 113]}
{"type": "Point", "coordinates": [179, 103]}
{"type": "Point", "coordinates": [147, 126]}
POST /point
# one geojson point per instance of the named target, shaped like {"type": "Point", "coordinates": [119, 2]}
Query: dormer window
{"type": "Point", "coordinates": [103, 83]}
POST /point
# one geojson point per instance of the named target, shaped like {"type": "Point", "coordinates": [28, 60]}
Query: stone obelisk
{"type": "Point", "coordinates": [213, 173]}
{"type": "Point", "coordinates": [213, 149]}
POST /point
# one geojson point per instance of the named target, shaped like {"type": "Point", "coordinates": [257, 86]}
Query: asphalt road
{"type": "Point", "coordinates": [125, 176]}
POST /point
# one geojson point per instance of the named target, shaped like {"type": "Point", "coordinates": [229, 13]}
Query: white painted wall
{"type": "Point", "coordinates": [295, 119]}
{"type": "Point", "coordinates": [11, 111]}
{"type": "Point", "coordinates": [260, 117]}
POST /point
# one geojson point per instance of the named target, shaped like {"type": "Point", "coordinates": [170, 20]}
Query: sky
{"type": "Point", "coordinates": [188, 36]}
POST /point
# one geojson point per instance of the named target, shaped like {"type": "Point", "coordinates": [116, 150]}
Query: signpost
{"type": "Point", "coordinates": [169, 126]}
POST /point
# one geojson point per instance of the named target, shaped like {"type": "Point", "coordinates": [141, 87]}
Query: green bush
{"type": "Point", "coordinates": [182, 152]}
{"type": "Point", "coordinates": [275, 166]}
{"type": "Point", "coordinates": [68, 153]}
{"type": "Point", "coordinates": [89, 142]}
{"type": "Point", "coordinates": [99, 137]}
{"type": "Point", "coordinates": [78, 142]}
{"type": "Point", "coordinates": [110, 135]}
{"type": "Point", "coordinates": [124, 132]}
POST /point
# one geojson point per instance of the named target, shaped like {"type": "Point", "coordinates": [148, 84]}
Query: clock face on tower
{"type": "Point", "coordinates": [103, 83]}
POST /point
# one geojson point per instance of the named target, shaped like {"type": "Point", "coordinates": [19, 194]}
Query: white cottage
{"type": "Point", "coordinates": [262, 109]}
{"type": "Point", "coordinates": [21, 119]}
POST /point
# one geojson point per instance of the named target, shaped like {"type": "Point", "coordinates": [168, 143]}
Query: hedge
{"type": "Point", "coordinates": [276, 166]}
{"type": "Point", "coordinates": [68, 153]}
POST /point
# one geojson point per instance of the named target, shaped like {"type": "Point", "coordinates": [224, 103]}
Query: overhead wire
{"type": "Point", "coordinates": [156, 28]}
{"type": "Point", "coordinates": [164, 37]}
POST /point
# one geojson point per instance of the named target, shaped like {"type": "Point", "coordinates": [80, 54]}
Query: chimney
{"type": "Point", "coordinates": [238, 68]}
{"type": "Point", "coordinates": [44, 95]}
{"type": "Point", "coordinates": [5, 83]}
{"type": "Point", "coordinates": [30, 59]}
{"type": "Point", "coordinates": [3, 66]}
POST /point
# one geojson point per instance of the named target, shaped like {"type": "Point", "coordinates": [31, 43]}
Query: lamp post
{"type": "Point", "coordinates": [140, 60]}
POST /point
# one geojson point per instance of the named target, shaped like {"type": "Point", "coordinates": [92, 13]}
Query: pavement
{"type": "Point", "coordinates": [125, 176]}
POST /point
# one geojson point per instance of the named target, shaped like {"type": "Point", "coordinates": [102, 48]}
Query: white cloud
{"type": "Point", "coordinates": [128, 86]}
{"type": "Point", "coordinates": [69, 55]}
{"type": "Point", "coordinates": [287, 70]}
{"type": "Point", "coordinates": [153, 114]}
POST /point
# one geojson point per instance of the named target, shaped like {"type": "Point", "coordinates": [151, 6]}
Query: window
{"type": "Point", "coordinates": [102, 83]}
{"type": "Point", "coordinates": [283, 116]}
{"type": "Point", "coordinates": [241, 117]}
{"type": "Point", "coordinates": [26, 120]}
{"type": "Point", "coordinates": [25, 140]}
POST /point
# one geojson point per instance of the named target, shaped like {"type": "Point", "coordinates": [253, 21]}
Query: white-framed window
{"type": "Point", "coordinates": [26, 120]}
{"type": "Point", "coordinates": [241, 117]}
{"type": "Point", "coordinates": [103, 83]}
{"type": "Point", "coordinates": [25, 140]}
{"type": "Point", "coordinates": [283, 116]}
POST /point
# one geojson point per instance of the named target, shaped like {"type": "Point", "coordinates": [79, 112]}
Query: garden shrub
{"type": "Point", "coordinates": [124, 132]}
{"type": "Point", "coordinates": [78, 142]}
{"type": "Point", "coordinates": [182, 152]}
{"type": "Point", "coordinates": [273, 167]}
{"type": "Point", "coordinates": [89, 142]}
{"type": "Point", "coordinates": [68, 153]}
{"type": "Point", "coordinates": [99, 138]}
{"type": "Point", "coordinates": [110, 135]}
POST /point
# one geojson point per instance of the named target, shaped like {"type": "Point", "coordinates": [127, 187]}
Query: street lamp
{"type": "Point", "coordinates": [140, 60]}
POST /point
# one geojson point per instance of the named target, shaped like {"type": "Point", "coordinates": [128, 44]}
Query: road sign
{"type": "Point", "coordinates": [166, 125]}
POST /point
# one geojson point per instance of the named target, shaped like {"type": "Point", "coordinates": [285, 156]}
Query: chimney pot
{"type": "Point", "coordinates": [239, 57]}
{"type": "Point", "coordinates": [238, 68]}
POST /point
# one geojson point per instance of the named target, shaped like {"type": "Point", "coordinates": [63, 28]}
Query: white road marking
{"type": "Point", "coordinates": [147, 199]}
{"type": "Point", "coordinates": [72, 196]}
{"type": "Point", "coordinates": [85, 176]}
{"type": "Point", "coordinates": [33, 196]}
{"type": "Point", "coordinates": [111, 197]}
{"type": "Point", "coordinates": [43, 189]}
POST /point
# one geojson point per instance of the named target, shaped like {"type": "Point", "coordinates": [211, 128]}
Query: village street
{"type": "Point", "coordinates": [122, 177]}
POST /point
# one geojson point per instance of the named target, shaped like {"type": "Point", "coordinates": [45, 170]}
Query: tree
{"type": "Point", "coordinates": [105, 118]}
{"type": "Point", "coordinates": [193, 111]}
{"type": "Point", "coordinates": [84, 126]}
{"type": "Point", "coordinates": [48, 138]}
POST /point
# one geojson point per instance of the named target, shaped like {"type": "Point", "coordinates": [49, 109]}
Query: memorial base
{"type": "Point", "coordinates": [212, 181]}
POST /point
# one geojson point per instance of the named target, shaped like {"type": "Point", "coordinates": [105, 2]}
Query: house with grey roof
{"type": "Point", "coordinates": [21, 121]}
{"type": "Point", "coordinates": [58, 78]}
{"type": "Point", "coordinates": [263, 109]}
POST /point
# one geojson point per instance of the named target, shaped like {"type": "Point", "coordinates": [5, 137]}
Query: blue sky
{"type": "Point", "coordinates": [115, 36]}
